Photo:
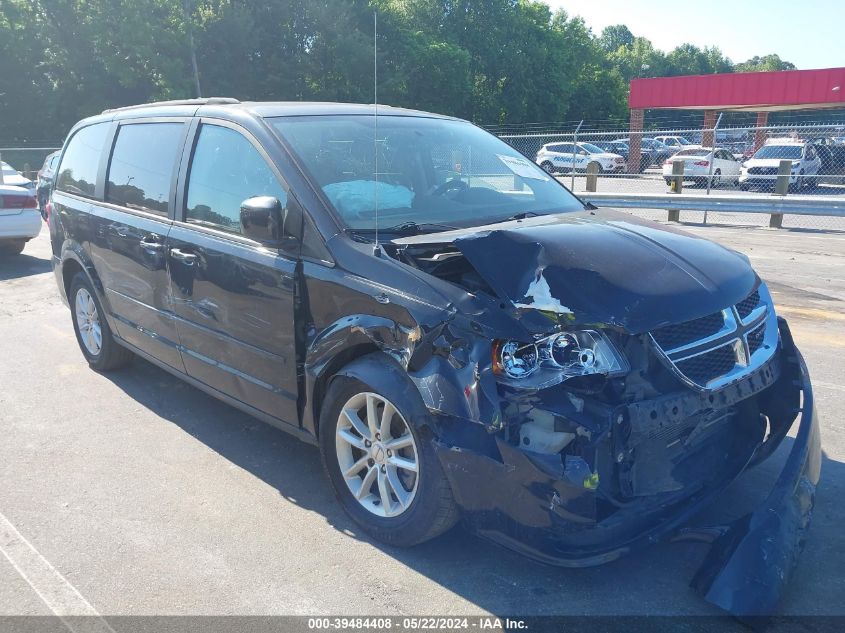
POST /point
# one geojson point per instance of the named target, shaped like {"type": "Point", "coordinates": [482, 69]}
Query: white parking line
{"type": "Point", "coordinates": [55, 590]}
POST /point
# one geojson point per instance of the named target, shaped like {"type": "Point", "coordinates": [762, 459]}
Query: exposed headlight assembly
{"type": "Point", "coordinates": [556, 358]}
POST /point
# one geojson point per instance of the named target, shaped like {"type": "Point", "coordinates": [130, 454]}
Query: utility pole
{"type": "Point", "coordinates": [190, 28]}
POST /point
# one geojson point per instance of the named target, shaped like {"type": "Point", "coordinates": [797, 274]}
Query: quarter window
{"type": "Point", "coordinates": [78, 171]}
{"type": "Point", "coordinates": [226, 169]}
{"type": "Point", "coordinates": [141, 168]}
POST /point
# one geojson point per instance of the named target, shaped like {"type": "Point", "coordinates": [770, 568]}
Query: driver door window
{"type": "Point", "coordinates": [226, 169]}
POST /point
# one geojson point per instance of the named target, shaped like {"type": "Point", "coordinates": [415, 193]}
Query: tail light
{"type": "Point", "coordinates": [16, 201]}
{"type": "Point", "coordinates": [702, 163]}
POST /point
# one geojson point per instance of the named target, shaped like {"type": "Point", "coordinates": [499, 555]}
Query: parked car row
{"type": "Point", "coordinates": [610, 156]}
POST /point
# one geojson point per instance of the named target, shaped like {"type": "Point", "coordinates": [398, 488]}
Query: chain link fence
{"type": "Point", "coordinates": [26, 160]}
{"type": "Point", "coordinates": [741, 160]}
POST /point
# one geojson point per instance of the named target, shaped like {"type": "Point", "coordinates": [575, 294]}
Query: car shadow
{"type": "Point", "coordinates": [23, 265]}
{"type": "Point", "coordinates": [647, 582]}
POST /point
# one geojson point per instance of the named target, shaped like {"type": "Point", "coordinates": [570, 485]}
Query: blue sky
{"type": "Point", "coordinates": [809, 33]}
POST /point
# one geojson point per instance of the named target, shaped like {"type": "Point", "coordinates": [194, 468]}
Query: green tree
{"type": "Point", "coordinates": [615, 36]}
{"type": "Point", "coordinates": [764, 63]}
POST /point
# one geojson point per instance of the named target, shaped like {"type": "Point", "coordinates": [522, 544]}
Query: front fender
{"type": "Point", "coordinates": [450, 368]}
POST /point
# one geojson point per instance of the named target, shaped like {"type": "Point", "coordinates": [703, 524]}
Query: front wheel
{"type": "Point", "coordinates": [92, 331]}
{"type": "Point", "coordinates": [384, 472]}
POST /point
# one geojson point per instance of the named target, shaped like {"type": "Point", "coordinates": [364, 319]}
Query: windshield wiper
{"type": "Point", "coordinates": [522, 215]}
{"type": "Point", "coordinates": [411, 228]}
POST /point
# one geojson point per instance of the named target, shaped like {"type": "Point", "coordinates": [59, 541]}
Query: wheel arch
{"type": "Point", "coordinates": [75, 260]}
{"type": "Point", "coordinates": [385, 376]}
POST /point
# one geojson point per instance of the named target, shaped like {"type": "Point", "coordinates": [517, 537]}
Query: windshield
{"type": "Point", "coordinates": [593, 149]}
{"type": "Point", "coordinates": [779, 151]}
{"type": "Point", "coordinates": [430, 170]}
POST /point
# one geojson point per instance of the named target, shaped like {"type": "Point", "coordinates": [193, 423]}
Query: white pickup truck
{"type": "Point", "coordinates": [20, 220]}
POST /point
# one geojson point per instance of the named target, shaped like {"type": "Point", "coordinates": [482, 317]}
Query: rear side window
{"type": "Point", "coordinates": [226, 170]}
{"type": "Point", "coordinates": [141, 167]}
{"type": "Point", "coordinates": [78, 171]}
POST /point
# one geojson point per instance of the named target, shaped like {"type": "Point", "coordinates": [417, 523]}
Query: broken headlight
{"type": "Point", "coordinates": [555, 358]}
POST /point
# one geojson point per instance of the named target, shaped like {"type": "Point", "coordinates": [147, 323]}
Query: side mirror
{"type": "Point", "coordinates": [261, 219]}
{"type": "Point", "coordinates": [265, 220]}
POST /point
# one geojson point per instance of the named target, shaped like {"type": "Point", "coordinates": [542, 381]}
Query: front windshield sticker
{"type": "Point", "coordinates": [522, 167]}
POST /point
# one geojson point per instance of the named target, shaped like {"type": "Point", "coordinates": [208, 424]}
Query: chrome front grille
{"type": "Point", "coordinates": [717, 349]}
{"type": "Point", "coordinates": [763, 171]}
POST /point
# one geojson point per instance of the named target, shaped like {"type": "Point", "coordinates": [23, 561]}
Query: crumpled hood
{"type": "Point", "coordinates": [607, 267]}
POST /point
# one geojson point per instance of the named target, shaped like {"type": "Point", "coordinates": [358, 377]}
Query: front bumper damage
{"type": "Point", "coordinates": [537, 505]}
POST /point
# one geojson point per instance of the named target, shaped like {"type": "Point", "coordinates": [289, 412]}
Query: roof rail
{"type": "Point", "coordinates": [177, 102]}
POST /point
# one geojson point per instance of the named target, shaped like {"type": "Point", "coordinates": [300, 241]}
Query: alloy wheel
{"type": "Point", "coordinates": [88, 322]}
{"type": "Point", "coordinates": [377, 455]}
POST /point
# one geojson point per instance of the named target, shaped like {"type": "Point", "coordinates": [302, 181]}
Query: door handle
{"type": "Point", "coordinates": [154, 247]}
{"type": "Point", "coordinates": [185, 258]}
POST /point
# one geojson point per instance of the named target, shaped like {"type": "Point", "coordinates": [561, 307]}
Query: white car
{"type": "Point", "coordinates": [697, 167]}
{"type": "Point", "coordinates": [20, 220]}
{"type": "Point", "coordinates": [674, 143]}
{"type": "Point", "coordinates": [12, 176]}
{"type": "Point", "coordinates": [762, 168]}
{"type": "Point", "coordinates": [558, 157]}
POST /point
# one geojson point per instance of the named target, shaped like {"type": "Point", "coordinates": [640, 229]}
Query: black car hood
{"type": "Point", "coordinates": [603, 267]}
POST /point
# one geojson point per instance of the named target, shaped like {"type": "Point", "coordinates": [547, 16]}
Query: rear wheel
{"type": "Point", "coordinates": [11, 247]}
{"type": "Point", "coordinates": [547, 167]}
{"type": "Point", "coordinates": [92, 331]}
{"type": "Point", "coordinates": [717, 178]}
{"type": "Point", "coordinates": [384, 472]}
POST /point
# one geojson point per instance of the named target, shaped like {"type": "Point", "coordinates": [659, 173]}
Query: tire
{"type": "Point", "coordinates": [668, 182]}
{"type": "Point", "coordinates": [108, 355]}
{"type": "Point", "coordinates": [717, 179]}
{"type": "Point", "coordinates": [547, 167]}
{"type": "Point", "coordinates": [798, 184]}
{"type": "Point", "coordinates": [431, 509]}
{"type": "Point", "coordinates": [10, 248]}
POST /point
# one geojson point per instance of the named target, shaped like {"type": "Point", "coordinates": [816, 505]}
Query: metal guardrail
{"type": "Point", "coordinates": [792, 204]}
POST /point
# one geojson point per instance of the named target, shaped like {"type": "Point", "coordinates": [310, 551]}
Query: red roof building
{"type": "Point", "coordinates": [760, 92]}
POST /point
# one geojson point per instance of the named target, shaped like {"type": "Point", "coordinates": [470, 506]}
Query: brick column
{"type": "Point", "coordinates": [760, 134]}
{"type": "Point", "coordinates": [635, 137]}
{"type": "Point", "coordinates": [707, 136]}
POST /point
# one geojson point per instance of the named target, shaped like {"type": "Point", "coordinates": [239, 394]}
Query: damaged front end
{"type": "Point", "coordinates": [614, 411]}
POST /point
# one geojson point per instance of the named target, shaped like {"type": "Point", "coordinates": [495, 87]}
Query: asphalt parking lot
{"type": "Point", "coordinates": [145, 496]}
